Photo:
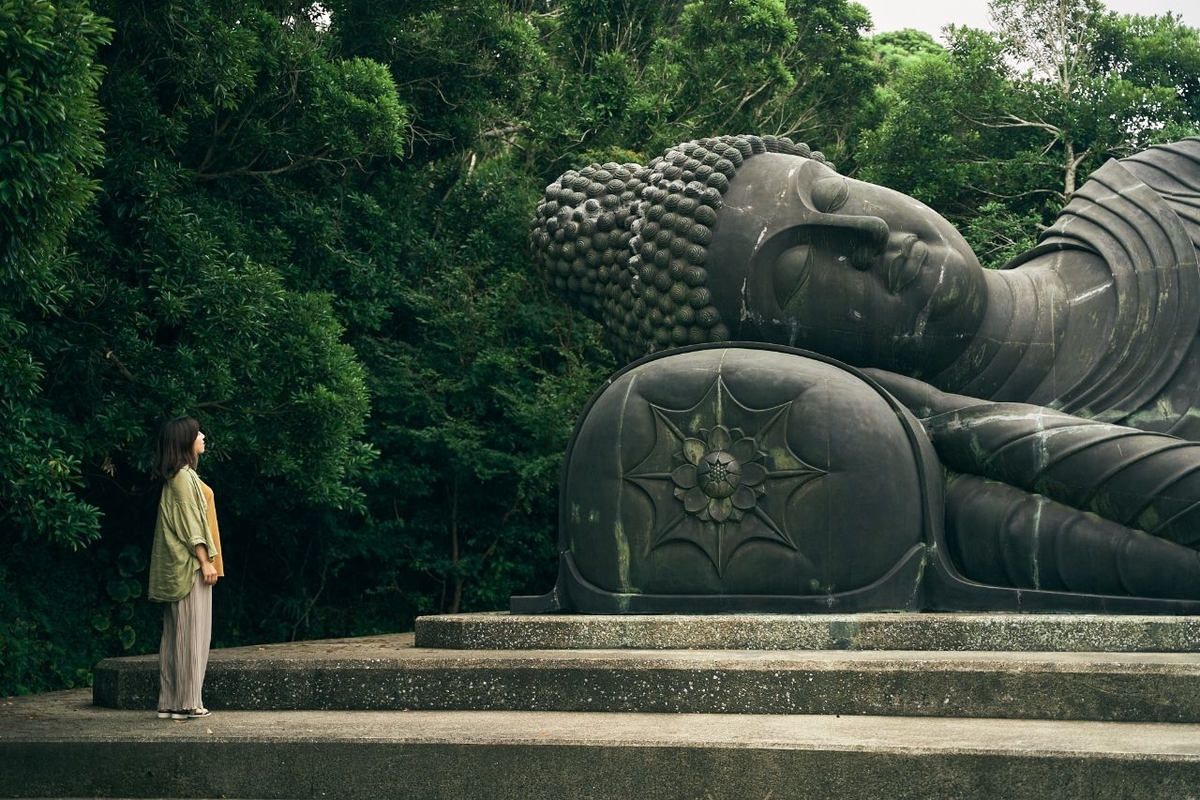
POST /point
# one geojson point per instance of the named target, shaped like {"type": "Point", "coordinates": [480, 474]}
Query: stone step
{"type": "Point", "coordinates": [1079, 633]}
{"type": "Point", "coordinates": [59, 745]}
{"type": "Point", "coordinates": [391, 673]}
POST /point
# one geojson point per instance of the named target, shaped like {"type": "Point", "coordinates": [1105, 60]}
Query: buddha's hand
{"type": "Point", "coordinates": [922, 399]}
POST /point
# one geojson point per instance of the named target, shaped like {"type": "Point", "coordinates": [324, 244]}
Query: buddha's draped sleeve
{"type": "Point", "coordinates": [1146, 245]}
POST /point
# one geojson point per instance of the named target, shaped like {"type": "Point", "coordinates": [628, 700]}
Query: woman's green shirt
{"type": "Point", "coordinates": [181, 525]}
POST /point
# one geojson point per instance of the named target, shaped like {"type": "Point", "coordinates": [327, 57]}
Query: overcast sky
{"type": "Point", "coordinates": [933, 15]}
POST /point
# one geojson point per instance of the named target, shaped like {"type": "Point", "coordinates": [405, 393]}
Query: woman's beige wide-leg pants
{"type": "Point", "coordinates": [183, 652]}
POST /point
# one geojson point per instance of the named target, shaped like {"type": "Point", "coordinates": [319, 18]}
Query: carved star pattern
{"type": "Point", "coordinates": [720, 473]}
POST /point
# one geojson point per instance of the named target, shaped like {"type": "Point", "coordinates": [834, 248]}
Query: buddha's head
{"type": "Point", "coordinates": [749, 238]}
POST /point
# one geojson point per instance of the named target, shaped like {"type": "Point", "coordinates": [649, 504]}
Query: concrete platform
{"type": "Point", "coordinates": [495, 706]}
{"type": "Point", "coordinates": [59, 745]}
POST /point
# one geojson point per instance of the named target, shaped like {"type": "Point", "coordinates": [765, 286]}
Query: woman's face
{"type": "Point", "coordinates": [198, 444]}
{"type": "Point", "coordinates": [805, 257]}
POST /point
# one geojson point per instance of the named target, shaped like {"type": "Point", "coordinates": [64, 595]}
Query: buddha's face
{"type": "Point", "coordinates": [805, 257]}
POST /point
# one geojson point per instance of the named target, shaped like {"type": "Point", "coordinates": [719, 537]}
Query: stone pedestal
{"type": "Point", "coordinates": [495, 705]}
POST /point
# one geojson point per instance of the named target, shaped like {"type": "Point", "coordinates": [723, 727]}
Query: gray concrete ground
{"type": "Point", "coordinates": [60, 745]}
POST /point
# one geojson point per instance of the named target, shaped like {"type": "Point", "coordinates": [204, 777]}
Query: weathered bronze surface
{"type": "Point", "coordinates": [867, 417]}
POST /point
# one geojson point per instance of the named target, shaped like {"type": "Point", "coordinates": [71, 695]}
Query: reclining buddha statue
{"type": "Point", "coordinates": [830, 405]}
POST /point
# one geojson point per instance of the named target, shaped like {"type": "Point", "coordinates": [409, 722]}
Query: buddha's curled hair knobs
{"type": "Point", "coordinates": [628, 244]}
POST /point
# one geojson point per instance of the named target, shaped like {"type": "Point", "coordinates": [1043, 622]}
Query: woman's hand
{"type": "Point", "coordinates": [208, 570]}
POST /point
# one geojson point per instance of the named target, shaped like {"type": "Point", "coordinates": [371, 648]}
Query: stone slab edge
{"type": "Point", "coordinates": [58, 746]}
{"type": "Point", "coordinates": [954, 632]}
{"type": "Point", "coordinates": [531, 771]}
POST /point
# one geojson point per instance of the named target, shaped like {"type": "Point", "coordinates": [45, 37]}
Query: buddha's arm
{"type": "Point", "coordinates": [1001, 535]}
{"type": "Point", "coordinates": [1140, 480]}
{"type": "Point", "coordinates": [1025, 480]}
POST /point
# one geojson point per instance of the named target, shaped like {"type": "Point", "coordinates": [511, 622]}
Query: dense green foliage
{"type": "Point", "coordinates": [996, 130]}
{"type": "Point", "coordinates": [306, 226]}
{"type": "Point", "coordinates": [49, 143]}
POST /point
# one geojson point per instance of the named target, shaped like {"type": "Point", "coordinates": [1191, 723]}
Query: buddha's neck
{"type": "Point", "coordinates": [1041, 334]}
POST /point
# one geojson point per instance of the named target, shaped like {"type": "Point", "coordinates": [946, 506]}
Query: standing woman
{"type": "Point", "coordinates": [183, 570]}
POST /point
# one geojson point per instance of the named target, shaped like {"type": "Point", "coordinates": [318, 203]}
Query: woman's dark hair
{"type": "Point", "coordinates": [176, 447]}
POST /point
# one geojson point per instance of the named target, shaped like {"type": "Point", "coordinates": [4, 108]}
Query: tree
{"type": "Point", "coordinates": [477, 388]}
{"type": "Point", "coordinates": [49, 144]}
{"type": "Point", "coordinates": [620, 78]}
{"type": "Point", "coordinates": [223, 119]}
{"type": "Point", "coordinates": [896, 50]}
{"type": "Point", "coordinates": [216, 277]}
{"type": "Point", "coordinates": [50, 124]}
{"type": "Point", "coordinates": [1056, 39]}
{"type": "Point", "coordinates": [461, 67]}
{"type": "Point", "coordinates": [1099, 84]}
{"type": "Point", "coordinates": [797, 69]}
{"type": "Point", "coordinates": [477, 375]}
{"type": "Point", "coordinates": [1155, 64]}
{"type": "Point", "coordinates": [995, 134]}
{"type": "Point", "coordinates": [931, 144]}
